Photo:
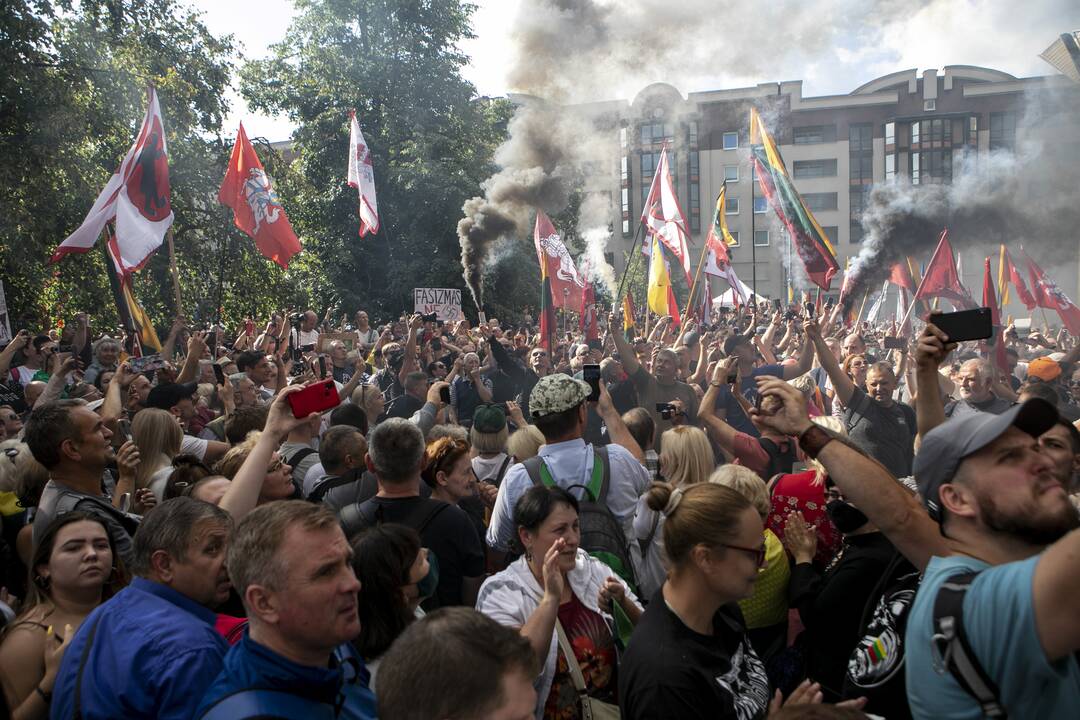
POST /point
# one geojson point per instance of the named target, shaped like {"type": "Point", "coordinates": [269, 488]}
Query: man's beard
{"type": "Point", "coordinates": [1027, 524]}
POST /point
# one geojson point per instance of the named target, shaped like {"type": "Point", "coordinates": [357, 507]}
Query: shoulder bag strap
{"type": "Point", "coordinates": [571, 660]}
{"type": "Point", "coordinates": [953, 649]}
{"type": "Point", "coordinates": [76, 713]}
{"type": "Point", "coordinates": [502, 470]}
{"type": "Point", "coordinates": [532, 467]}
{"type": "Point", "coordinates": [258, 702]}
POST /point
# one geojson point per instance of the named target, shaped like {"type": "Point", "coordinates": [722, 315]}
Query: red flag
{"type": "Point", "coordinates": [1049, 295]}
{"type": "Point", "coordinates": [941, 279]}
{"type": "Point", "coordinates": [673, 308]}
{"type": "Point", "coordinates": [990, 300]}
{"type": "Point", "coordinates": [587, 322]}
{"type": "Point", "coordinates": [256, 210]}
{"type": "Point", "coordinates": [1018, 282]}
{"type": "Point", "coordinates": [135, 199]}
{"type": "Point", "coordinates": [558, 266]}
{"type": "Point", "coordinates": [901, 276]}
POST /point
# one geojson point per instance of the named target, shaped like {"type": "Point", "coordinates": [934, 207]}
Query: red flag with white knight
{"type": "Point", "coordinates": [247, 189]}
{"type": "Point", "coordinates": [941, 278]}
{"type": "Point", "coordinates": [588, 323]}
{"type": "Point", "coordinates": [566, 283]}
{"type": "Point", "coordinates": [136, 197]}
{"type": "Point", "coordinates": [1048, 295]}
{"type": "Point", "coordinates": [663, 216]}
{"type": "Point", "coordinates": [362, 177]}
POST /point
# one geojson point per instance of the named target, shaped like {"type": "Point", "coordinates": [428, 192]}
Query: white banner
{"type": "Point", "coordinates": [444, 302]}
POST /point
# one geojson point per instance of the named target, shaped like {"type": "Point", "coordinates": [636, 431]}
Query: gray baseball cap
{"type": "Point", "coordinates": [948, 444]}
{"type": "Point", "coordinates": [557, 393]}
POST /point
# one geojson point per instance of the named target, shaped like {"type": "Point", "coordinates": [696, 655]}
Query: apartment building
{"type": "Point", "coordinates": [837, 148]}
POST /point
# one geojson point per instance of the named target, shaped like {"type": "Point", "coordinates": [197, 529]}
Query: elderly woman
{"type": "Point", "coordinates": [106, 354]}
{"type": "Point", "coordinates": [560, 598]}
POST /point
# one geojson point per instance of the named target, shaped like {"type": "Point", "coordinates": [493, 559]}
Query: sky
{"type": "Point", "coordinates": [1000, 34]}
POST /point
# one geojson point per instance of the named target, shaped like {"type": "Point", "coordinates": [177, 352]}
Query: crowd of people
{"type": "Point", "coordinates": [760, 513]}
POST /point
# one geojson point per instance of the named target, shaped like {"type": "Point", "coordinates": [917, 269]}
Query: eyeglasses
{"type": "Point", "coordinates": [275, 465]}
{"type": "Point", "coordinates": [757, 553]}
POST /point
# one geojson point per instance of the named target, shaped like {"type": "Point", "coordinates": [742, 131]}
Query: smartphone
{"type": "Point", "coordinates": [307, 348]}
{"type": "Point", "coordinates": [893, 343]}
{"type": "Point", "coordinates": [810, 308]}
{"type": "Point", "coordinates": [665, 410]}
{"type": "Point", "coordinates": [322, 366]}
{"type": "Point", "coordinates": [965, 325]}
{"type": "Point", "coordinates": [219, 374]}
{"type": "Point", "coordinates": [444, 395]}
{"type": "Point", "coordinates": [315, 398]}
{"type": "Point", "coordinates": [591, 375]}
{"type": "Point", "coordinates": [777, 304]}
{"type": "Point", "coordinates": [69, 349]}
{"type": "Point", "coordinates": [733, 378]}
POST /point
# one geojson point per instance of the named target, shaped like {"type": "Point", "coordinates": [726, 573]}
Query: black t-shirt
{"type": "Point", "coordinates": [670, 671]}
{"type": "Point", "coordinates": [11, 393]}
{"type": "Point", "coordinates": [450, 535]}
{"type": "Point", "coordinates": [886, 434]}
{"type": "Point", "coordinates": [403, 406]}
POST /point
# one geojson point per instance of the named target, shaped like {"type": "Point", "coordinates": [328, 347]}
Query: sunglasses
{"type": "Point", "coordinates": [757, 553]}
{"type": "Point", "coordinates": [274, 466]}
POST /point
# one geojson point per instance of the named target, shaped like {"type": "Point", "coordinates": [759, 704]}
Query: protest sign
{"type": "Point", "coordinates": [444, 302]}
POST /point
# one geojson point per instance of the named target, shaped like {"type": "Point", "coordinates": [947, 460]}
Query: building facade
{"type": "Point", "coordinates": [837, 148]}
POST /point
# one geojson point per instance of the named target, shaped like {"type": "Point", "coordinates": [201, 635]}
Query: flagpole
{"type": "Point", "coordinates": [697, 275]}
{"type": "Point", "coordinates": [174, 273]}
{"type": "Point", "coordinates": [862, 305]}
{"type": "Point", "coordinates": [753, 235]}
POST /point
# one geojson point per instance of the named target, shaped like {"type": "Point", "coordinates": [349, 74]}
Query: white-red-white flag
{"type": "Point", "coordinates": [362, 177]}
{"type": "Point", "coordinates": [567, 284]}
{"type": "Point", "coordinates": [136, 197]}
{"type": "Point", "coordinates": [664, 217]}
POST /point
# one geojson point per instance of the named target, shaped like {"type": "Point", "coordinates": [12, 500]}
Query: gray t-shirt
{"type": "Point", "coordinates": [963, 408]}
{"type": "Point", "coordinates": [886, 434]}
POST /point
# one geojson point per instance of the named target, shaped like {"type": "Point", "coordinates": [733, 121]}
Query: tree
{"type": "Point", "coordinates": [397, 63]}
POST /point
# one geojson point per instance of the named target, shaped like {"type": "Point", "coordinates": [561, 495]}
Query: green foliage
{"type": "Point", "coordinates": [395, 62]}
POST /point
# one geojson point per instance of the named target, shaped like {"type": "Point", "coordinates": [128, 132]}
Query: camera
{"type": "Point", "coordinates": [666, 410]}
{"type": "Point", "coordinates": [430, 317]}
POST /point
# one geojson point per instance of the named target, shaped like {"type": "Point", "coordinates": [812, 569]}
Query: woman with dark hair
{"type": "Point", "coordinates": [188, 470]}
{"type": "Point", "coordinates": [449, 473]}
{"type": "Point", "coordinates": [557, 589]}
{"type": "Point", "coordinates": [396, 574]}
{"type": "Point", "coordinates": [74, 569]}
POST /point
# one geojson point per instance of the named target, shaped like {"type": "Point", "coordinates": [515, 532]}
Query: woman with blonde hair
{"type": "Point", "coordinates": [686, 458]}
{"type": "Point", "coordinates": [371, 401]}
{"type": "Point", "coordinates": [766, 611]}
{"type": "Point", "coordinates": [524, 443]}
{"type": "Point", "coordinates": [158, 436]}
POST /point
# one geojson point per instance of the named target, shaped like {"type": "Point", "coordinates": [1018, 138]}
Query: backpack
{"type": "Point", "coordinates": [320, 490]}
{"type": "Point", "coordinates": [355, 517]}
{"type": "Point", "coordinates": [601, 534]}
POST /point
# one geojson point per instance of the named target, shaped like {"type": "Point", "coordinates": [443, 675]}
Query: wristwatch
{"type": "Point", "coordinates": [813, 439]}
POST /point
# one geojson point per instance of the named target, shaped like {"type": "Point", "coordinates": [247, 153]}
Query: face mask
{"type": "Point", "coordinates": [846, 518]}
{"type": "Point", "coordinates": [427, 585]}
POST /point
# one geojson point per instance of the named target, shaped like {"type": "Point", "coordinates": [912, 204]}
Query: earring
{"type": "Point", "coordinates": [42, 581]}
{"type": "Point", "coordinates": [528, 554]}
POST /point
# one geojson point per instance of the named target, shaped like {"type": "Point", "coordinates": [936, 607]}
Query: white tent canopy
{"type": "Point", "coordinates": [728, 297]}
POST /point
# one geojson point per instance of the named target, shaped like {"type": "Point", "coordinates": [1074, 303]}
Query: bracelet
{"type": "Point", "coordinates": [813, 440]}
{"type": "Point", "coordinates": [46, 696]}
{"type": "Point", "coordinates": [716, 384]}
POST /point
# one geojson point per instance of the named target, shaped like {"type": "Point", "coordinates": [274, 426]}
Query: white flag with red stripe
{"type": "Point", "coordinates": [362, 177]}
{"type": "Point", "coordinates": [664, 217]}
{"type": "Point", "coordinates": [136, 196]}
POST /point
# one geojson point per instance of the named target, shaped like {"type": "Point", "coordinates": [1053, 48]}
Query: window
{"type": "Point", "coordinates": [625, 211]}
{"type": "Point", "coordinates": [916, 171]}
{"type": "Point", "coordinates": [760, 205]}
{"type": "Point", "coordinates": [735, 236]}
{"type": "Point", "coordinates": [814, 168]}
{"type": "Point", "coordinates": [820, 201]}
{"type": "Point", "coordinates": [915, 133]}
{"type": "Point", "coordinates": [624, 171]}
{"type": "Point", "coordinates": [855, 232]}
{"type": "Point", "coordinates": [695, 206]}
{"type": "Point", "coordinates": [861, 154]}
{"type": "Point", "coordinates": [860, 137]}
{"type": "Point", "coordinates": [890, 166]}
{"type": "Point", "coordinates": [861, 168]}
{"type": "Point", "coordinates": [692, 132]}
{"type": "Point", "coordinates": [936, 167]}
{"type": "Point", "coordinates": [624, 138]}
{"type": "Point", "coordinates": [731, 206]}
{"type": "Point", "coordinates": [815, 134]}
{"type": "Point", "coordinates": [657, 133]}
{"type": "Point", "coordinates": [693, 166]}
{"type": "Point", "coordinates": [731, 140]}
{"type": "Point", "coordinates": [761, 238]}
{"type": "Point", "coordinates": [731, 173]}
{"type": "Point", "coordinates": [890, 133]}
{"type": "Point", "coordinates": [937, 132]}
{"type": "Point", "coordinates": [832, 232]}
{"type": "Point", "coordinates": [1002, 131]}
{"type": "Point", "coordinates": [858, 201]}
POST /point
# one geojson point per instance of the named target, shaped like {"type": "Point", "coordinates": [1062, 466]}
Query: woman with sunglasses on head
{"type": "Point", "coordinates": [690, 656]}
{"type": "Point", "coordinates": [395, 575]}
{"type": "Point", "coordinates": [73, 570]}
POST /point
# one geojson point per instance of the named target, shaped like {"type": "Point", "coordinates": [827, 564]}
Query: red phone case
{"type": "Point", "coordinates": [318, 397]}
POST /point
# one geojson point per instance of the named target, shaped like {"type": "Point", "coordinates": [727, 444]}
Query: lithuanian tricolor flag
{"type": "Point", "coordinates": [815, 250]}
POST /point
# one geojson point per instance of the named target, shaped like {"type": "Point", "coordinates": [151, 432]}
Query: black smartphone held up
{"type": "Point", "coordinates": [444, 395]}
{"type": "Point", "coordinates": [591, 375]}
{"type": "Point", "coordinates": [893, 343]}
{"type": "Point", "coordinates": [733, 377]}
{"type": "Point", "coordinates": [322, 367]}
{"type": "Point", "coordinates": [965, 325]}
{"type": "Point", "coordinates": [219, 374]}
{"type": "Point", "coordinates": [778, 304]}
{"type": "Point", "coordinates": [211, 340]}
{"type": "Point", "coordinates": [810, 308]}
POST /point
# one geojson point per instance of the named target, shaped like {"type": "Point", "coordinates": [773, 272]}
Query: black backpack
{"type": "Point", "coordinates": [355, 517]}
{"type": "Point", "coordinates": [601, 534]}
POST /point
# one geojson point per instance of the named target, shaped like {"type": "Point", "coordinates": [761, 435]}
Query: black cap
{"type": "Point", "coordinates": [946, 446]}
{"type": "Point", "coordinates": [169, 395]}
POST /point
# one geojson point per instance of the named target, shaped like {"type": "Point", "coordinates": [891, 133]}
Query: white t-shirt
{"type": "Point", "coordinates": [192, 445]}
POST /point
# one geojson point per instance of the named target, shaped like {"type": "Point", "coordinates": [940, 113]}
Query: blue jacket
{"type": "Point", "coordinates": [154, 651]}
{"type": "Point", "coordinates": [287, 689]}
